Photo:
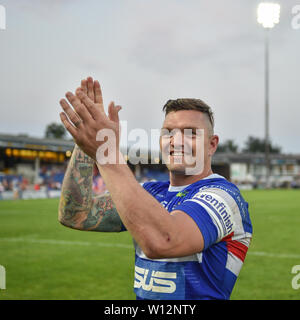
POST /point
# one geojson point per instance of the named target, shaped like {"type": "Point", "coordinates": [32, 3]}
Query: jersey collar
{"type": "Point", "coordinates": [180, 188]}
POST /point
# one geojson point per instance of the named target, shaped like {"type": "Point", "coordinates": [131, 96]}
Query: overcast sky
{"type": "Point", "coordinates": [145, 52]}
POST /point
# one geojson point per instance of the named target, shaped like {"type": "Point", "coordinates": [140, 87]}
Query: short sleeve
{"type": "Point", "coordinates": [212, 212]}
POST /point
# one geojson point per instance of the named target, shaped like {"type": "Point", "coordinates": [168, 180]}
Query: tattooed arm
{"type": "Point", "coordinates": [78, 209]}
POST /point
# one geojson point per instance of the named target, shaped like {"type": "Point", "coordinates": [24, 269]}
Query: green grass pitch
{"type": "Point", "coordinates": [44, 260]}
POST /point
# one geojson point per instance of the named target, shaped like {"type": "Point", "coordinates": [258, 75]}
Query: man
{"type": "Point", "coordinates": [191, 234]}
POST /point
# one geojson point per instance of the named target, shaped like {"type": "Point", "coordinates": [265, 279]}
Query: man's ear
{"type": "Point", "coordinates": [213, 144]}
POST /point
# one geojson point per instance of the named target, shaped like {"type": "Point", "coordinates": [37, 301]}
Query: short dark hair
{"type": "Point", "coordinates": [189, 104]}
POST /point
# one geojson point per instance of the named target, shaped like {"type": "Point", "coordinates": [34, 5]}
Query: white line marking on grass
{"type": "Point", "coordinates": [274, 255]}
{"type": "Point", "coordinates": [68, 242]}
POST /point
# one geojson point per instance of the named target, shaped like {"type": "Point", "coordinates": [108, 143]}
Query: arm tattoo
{"type": "Point", "coordinates": [78, 208]}
{"type": "Point", "coordinates": [103, 216]}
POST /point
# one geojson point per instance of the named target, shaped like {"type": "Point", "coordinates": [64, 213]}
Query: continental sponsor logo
{"type": "Point", "coordinates": [216, 204]}
{"type": "Point", "coordinates": [158, 281]}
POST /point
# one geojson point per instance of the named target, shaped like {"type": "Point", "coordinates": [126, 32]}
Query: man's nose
{"type": "Point", "coordinates": [177, 140]}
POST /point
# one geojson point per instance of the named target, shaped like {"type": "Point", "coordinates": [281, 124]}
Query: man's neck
{"type": "Point", "coordinates": [180, 179]}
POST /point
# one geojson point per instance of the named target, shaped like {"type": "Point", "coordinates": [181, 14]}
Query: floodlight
{"type": "Point", "coordinates": [268, 14]}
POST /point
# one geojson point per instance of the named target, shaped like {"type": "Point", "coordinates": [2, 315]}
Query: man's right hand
{"type": "Point", "coordinates": [88, 117]}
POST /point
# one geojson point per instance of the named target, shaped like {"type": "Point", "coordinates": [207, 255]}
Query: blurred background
{"type": "Point", "coordinates": [243, 63]}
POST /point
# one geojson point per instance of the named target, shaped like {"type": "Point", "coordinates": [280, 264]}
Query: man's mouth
{"type": "Point", "coordinates": [176, 153]}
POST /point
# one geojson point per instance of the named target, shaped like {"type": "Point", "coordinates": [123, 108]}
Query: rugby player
{"type": "Point", "coordinates": [191, 233]}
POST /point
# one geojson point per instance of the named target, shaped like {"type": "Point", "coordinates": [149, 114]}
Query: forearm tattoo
{"type": "Point", "coordinates": [78, 208]}
{"type": "Point", "coordinates": [103, 216]}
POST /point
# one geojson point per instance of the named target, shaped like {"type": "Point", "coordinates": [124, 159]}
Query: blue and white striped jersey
{"type": "Point", "coordinates": [221, 214]}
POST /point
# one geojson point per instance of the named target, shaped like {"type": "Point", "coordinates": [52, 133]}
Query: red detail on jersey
{"type": "Point", "coordinates": [227, 238]}
{"type": "Point", "coordinates": [237, 248]}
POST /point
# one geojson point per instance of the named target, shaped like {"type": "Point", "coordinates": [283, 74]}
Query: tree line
{"type": "Point", "coordinates": [252, 145]}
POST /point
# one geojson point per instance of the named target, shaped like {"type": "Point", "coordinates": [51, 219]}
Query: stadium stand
{"type": "Point", "coordinates": [33, 167]}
